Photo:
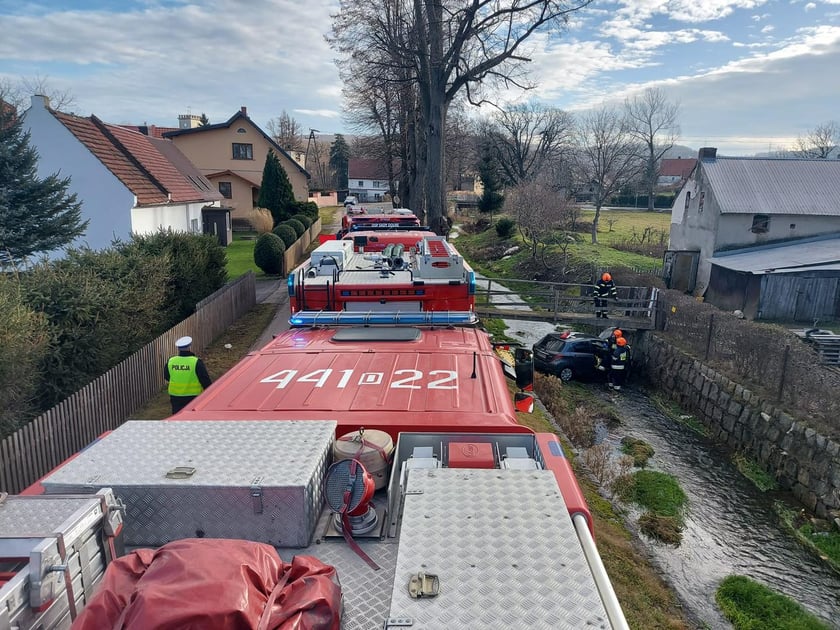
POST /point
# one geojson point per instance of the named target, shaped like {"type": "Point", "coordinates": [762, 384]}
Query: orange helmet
{"type": "Point", "coordinates": [621, 341]}
{"type": "Point", "coordinates": [617, 333]}
{"type": "Point", "coordinates": [606, 277]}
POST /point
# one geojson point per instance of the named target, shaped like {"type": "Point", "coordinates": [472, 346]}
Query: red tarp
{"type": "Point", "coordinates": [214, 584]}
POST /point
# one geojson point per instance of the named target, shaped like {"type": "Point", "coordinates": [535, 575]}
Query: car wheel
{"type": "Point", "coordinates": [566, 374]}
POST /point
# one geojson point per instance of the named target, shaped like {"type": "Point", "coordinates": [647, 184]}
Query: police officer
{"type": "Point", "coordinates": [186, 374]}
{"type": "Point", "coordinates": [604, 289]}
{"type": "Point", "coordinates": [618, 364]}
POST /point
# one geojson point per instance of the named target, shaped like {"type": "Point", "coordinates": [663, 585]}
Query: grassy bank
{"type": "Point", "coordinates": [752, 606]}
{"type": "Point", "coordinates": [626, 239]}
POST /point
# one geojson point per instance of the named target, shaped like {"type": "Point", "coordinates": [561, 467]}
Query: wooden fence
{"type": "Point", "coordinates": [103, 405]}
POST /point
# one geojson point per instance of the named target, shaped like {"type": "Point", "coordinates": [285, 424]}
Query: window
{"type": "Point", "coordinates": [361, 184]}
{"type": "Point", "coordinates": [687, 198]}
{"type": "Point", "coordinates": [702, 199]}
{"type": "Point", "coordinates": [241, 130]}
{"type": "Point", "coordinates": [224, 188]}
{"type": "Point", "coordinates": [761, 223]}
{"type": "Point", "coordinates": [243, 151]}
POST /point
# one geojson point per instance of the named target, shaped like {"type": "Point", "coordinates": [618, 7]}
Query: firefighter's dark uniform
{"type": "Point", "coordinates": [604, 289]}
{"type": "Point", "coordinates": [618, 366]}
{"type": "Point", "coordinates": [187, 375]}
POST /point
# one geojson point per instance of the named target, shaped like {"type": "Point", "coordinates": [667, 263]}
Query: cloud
{"type": "Point", "coordinates": [159, 59]}
{"type": "Point", "coordinates": [810, 6]}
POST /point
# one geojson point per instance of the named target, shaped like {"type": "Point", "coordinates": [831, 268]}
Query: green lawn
{"type": "Point", "coordinates": [240, 255]}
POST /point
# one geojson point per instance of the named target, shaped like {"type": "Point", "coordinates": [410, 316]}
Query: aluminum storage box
{"type": "Point", "coordinates": [253, 480]}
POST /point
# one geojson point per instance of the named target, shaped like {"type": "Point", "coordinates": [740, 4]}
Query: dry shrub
{"type": "Point", "coordinates": [598, 459]}
{"type": "Point", "coordinates": [578, 425]}
{"type": "Point", "coordinates": [623, 482]}
{"type": "Point", "coordinates": [262, 220]}
{"type": "Point", "coordinates": [663, 528]}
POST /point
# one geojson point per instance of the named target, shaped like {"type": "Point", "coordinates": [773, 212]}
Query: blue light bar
{"type": "Point", "coordinates": [471, 281]}
{"type": "Point", "coordinates": [290, 284]}
{"type": "Point", "coordinates": [382, 318]}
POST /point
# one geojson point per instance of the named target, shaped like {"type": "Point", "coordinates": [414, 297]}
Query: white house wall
{"type": "Point", "coordinates": [695, 230]}
{"type": "Point", "coordinates": [180, 218]}
{"type": "Point", "coordinates": [106, 202]}
{"type": "Point", "coordinates": [736, 229]}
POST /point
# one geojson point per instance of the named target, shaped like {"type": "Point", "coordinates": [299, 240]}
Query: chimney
{"type": "Point", "coordinates": [40, 100]}
{"type": "Point", "coordinates": [708, 153]}
{"type": "Point", "coordinates": [243, 110]}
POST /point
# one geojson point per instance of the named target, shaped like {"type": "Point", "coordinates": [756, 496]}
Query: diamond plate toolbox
{"type": "Point", "coordinates": [253, 480]}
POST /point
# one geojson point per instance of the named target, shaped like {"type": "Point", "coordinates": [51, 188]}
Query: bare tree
{"type": "Point", "coordinates": [286, 132]}
{"type": "Point", "coordinates": [526, 138]}
{"type": "Point", "coordinates": [461, 146]}
{"type": "Point", "coordinates": [538, 213]}
{"type": "Point", "coordinates": [18, 94]}
{"type": "Point", "coordinates": [446, 49]}
{"type": "Point", "coordinates": [820, 141]}
{"type": "Point", "coordinates": [652, 121]}
{"type": "Point", "coordinates": [607, 156]}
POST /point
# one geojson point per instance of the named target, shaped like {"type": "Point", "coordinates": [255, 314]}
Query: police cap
{"type": "Point", "coordinates": [184, 342]}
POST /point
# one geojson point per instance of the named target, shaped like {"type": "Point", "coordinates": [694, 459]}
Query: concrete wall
{"type": "Point", "coordinates": [804, 462]}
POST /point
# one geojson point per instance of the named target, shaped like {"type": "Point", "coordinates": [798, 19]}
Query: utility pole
{"type": "Point", "coordinates": [312, 144]}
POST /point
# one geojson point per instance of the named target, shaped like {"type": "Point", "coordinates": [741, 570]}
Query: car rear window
{"type": "Point", "coordinates": [553, 345]}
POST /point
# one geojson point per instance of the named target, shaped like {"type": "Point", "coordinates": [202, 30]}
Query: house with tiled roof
{"type": "Point", "coordinates": [673, 172]}
{"type": "Point", "coordinates": [760, 235]}
{"type": "Point", "coordinates": [367, 179]}
{"type": "Point", "coordinates": [126, 182]}
{"type": "Point", "coordinates": [232, 156]}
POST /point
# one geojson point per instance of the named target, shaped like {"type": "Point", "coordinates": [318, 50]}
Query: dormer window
{"type": "Point", "coordinates": [760, 223]}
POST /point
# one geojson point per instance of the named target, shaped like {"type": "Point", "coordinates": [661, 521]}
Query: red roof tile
{"type": "Point", "coordinates": [366, 168]}
{"type": "Point", "coordinates": [155, 174]}
{"type": "Point", "coordinates": [680, 167]}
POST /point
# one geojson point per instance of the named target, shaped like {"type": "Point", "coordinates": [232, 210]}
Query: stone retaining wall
{"type": "Point", "coordinates": [803, 461]}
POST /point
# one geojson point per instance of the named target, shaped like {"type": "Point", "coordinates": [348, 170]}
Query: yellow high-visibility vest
{"type": "Point", "coordinates": [183, 380]}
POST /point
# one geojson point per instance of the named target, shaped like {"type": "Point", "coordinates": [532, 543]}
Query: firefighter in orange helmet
{"type": "Point", "coordinates": [604, 290]}
{"type": "Point", "coordinates": [618, 364]}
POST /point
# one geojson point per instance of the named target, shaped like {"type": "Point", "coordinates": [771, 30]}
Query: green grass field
{"type": "Point", "coordinates": [240, 255]}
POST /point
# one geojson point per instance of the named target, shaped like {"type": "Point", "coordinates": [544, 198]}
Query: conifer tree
{"type": "Point", "coordinates": [488, 171]}
{"type": "Point", "coordinates": [36, 215]}
{"type": "Point", "coordinates": [276, 190]}
{"type": "Point", "coordinates": [339, 159]}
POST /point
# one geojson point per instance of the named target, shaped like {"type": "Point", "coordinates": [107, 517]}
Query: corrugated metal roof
{"type": "Point", "coordinates": [808, 254]}
{"type": "Point", "coordinates": [775, 186]}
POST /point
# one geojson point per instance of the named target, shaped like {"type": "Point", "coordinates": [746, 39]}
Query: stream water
{"type": "Point", "coordinates": [730, 526]}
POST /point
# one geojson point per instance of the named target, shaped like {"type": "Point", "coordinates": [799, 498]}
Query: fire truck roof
{"type": "Point", "coordinates": [394, 378]}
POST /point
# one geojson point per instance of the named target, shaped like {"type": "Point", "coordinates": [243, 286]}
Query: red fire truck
{"type": "Point", "coordinates": [396, 219]}
{"type": "Point", "coordinates": [429, 276]}
{"type": "Point", "coordinates": [380, 453]}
